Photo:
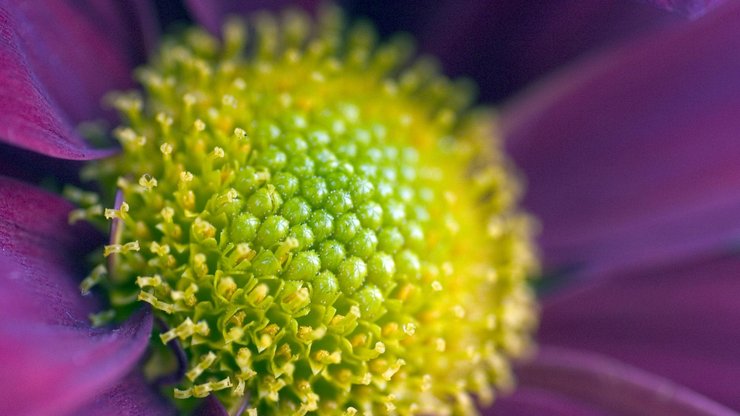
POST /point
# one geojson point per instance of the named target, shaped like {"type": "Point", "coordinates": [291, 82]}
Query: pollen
{"type": "Point", "coordinates": [324, 222]}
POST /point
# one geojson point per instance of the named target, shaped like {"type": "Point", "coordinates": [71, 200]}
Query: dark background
{"type": "Point", "coordinates": [503, 45]}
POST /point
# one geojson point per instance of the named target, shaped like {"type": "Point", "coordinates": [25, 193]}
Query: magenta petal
{"type": "Point", "coordinates": [680, 322]}
{"type": "Point", "coordinates": [54, 368]}
{"type": "Point", "coordinates": [41, 255]}
{"type": "Point", "coordinates": [631, 157]}
{"type": "Point", "coordinates": [580, 383]}
{"type": "Point", "coordinates": [528, 401]}
{"type": "Point", "coordinates": [211, 406]}
{"type": "Point", "coordinates": [505, 44]}
{"type": "Point", "coordinates": [53, 360]}
{"type": "Point", "coordinates": [211, 13]}
{"type": "Point", "coordinates": [689, 8]}
{"type": "Point", "coordinates": [180, 356]}
{"type": "Point", "coordinates": [132, 396]}
{"type": "Point", "coordinates": [57, 60]}
{"type": "Point", "coordinates": [32, 167]}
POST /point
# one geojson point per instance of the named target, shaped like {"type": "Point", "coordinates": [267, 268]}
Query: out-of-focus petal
{"type": "Point", "coordinates": [38, 248]}
{"type": "Point", "coordinates": [211, 13]}
{"type": "Point", "coordinates": [211, 406]}
{"type": "Point", "coordinates": [132, 396]}
{"type": "Point", "coordinates": [33, 167]}
{"type": "Point", "coordinates": [82, 49]}
{"type": "Point", "coordinates": [680, 322]}
{"type": "Point", "coordinates": [505, 44]}
{"type": "Point", "coordinates": [631, 158]}
{"type": "Point", "coordinates": [53, 360]}
{"type": "Point", "coordinates": [57, 60]}
{"type": "Point", "coordinates": [53, 368]}
{"type": "Point", "coordinates": [574, 382]}
{"type": "Point", "coordinates": [689, 8]}
{"type": "Point", "coordinates": [528, 401]}
{"type": "Point", "coordinates": [177, 351]}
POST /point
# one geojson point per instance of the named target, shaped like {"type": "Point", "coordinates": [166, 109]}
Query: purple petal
{"type": "Point", "coordinates": [631, 157]}
{"type": "Point", "coordinates": [54, 368]}
{"type": "Point", "coordinates": [132, 396]}
{"type": "Point", "coordinates": [680, 322]}
{"type": "Point", "coordinates": [689, 8]}
{"type": "Point", "coordinates": [211, 13]}
{"type": "Point", "coordinates": [33, 167]}
{"type": "Point", "coordinates": [57, 60]}
{"type": "Point", "coordinates": [577, 383]}
{"type": "Point", "coordinates": [505, 44]}
{"type": "Point", "coordinates": [180, 356]}
{"type": "Point", "coordinates": [211, 406]}
{"type": "Point", "coordinates": [528, 401]}
{"type": "Point", "coordinates": [53, 360]}
{"type": "Point", "coordinates": [41, 255]}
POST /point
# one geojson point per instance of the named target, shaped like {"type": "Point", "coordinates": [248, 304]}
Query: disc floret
{"type": "Point", "coordinates": [325, 226]}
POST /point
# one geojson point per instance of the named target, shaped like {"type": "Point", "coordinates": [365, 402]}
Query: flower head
{"type": "Point", "coordinates": [323, 226]}
{"type": "Point", "coordinates": [612, 218]}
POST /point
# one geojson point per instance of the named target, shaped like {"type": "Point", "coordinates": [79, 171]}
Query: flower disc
{"type": "Point", "coordinates": [324, 225]}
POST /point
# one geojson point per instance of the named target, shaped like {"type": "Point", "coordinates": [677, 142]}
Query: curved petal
{"type": "Point", "coordinates": [579, 383]}
{"type": "Point", "coordinates": [528, 401]}
{"type": "Point", "coordinates": [631, 157]}
{"type": "Point", "coordinates": [53, 359]}
{"type": "Point", "coordinates": [503, 44]}
{"type": "Point", "coordinates": [57, 60]}
{"type": "Point", "coordinates": [211, 406]}
{"type": "Point", "coordinates": [690, 8]}
{"type": "Point", "coordinates": [180, 357]}
{"type": "Point", "coordinates": [211, 13]}
{"type": "Point", "coordinates": [680, 322]}
{"type": "Point", "coordinates": [36, 168]}
{"type": "Point", "coordinates": [132, 396]}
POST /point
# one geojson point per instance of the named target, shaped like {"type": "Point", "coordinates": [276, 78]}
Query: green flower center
{"type": "Point", "coordinates": [325, 227]}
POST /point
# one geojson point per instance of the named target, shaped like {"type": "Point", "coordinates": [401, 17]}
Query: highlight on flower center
{"type": "Point", "coordinates": [323, 223]}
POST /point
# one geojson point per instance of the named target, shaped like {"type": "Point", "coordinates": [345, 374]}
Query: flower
{"type": "Point", "coordinates": [298, 220]}
{"type": "Point", "coordinates": [92, 371]}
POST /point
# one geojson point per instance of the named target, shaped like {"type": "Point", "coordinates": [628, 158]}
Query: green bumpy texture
{"type": "Point", "coordinates": [324, 224]}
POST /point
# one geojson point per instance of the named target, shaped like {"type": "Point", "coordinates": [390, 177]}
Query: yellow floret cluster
{"type": "Point", "coordinates": [322, 222]}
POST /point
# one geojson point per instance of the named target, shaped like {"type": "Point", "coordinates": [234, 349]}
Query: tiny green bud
{"type": "Point", "coordinates": [325, 288]}
{"type": "Point", "coordinates": [346, 227]}
{"type": "Point", "coordinates": [244, 227]}
{"type": "Point", "coordinates": [351, 274]}
{"type": "Point", "coordinates": [304, 266]}
{"type": "Point", "coordinates": [273, 230]}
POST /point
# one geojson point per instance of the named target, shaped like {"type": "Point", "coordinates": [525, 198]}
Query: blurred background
{"type": "Point", "coordinates": [503, 45]}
